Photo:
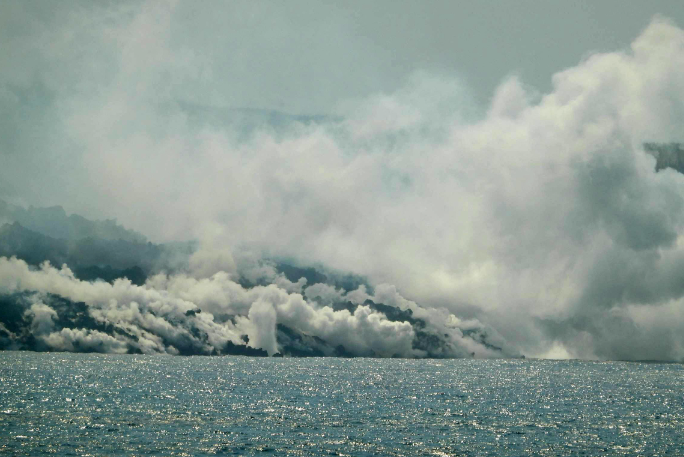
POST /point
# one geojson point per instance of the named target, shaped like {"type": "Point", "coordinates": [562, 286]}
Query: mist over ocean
{"type": "Point", "coordinates": [86, 404]}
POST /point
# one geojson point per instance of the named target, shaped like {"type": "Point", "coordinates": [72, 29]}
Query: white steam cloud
{"type": "Point", "coordinates": [181, 314]}
{"type": "Point", "coordinates": [543, 219]}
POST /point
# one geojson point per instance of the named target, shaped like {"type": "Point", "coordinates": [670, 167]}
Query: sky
{"type": "Point", "coordinates": [482, 157]}
{"type": "Point", "coordinates": [312, 57]}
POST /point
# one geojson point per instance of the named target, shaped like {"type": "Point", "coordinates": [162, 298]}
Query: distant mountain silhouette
{"type": "Point", "coordinates": [55, 223]}
{"type": "Point", "coordinates": [32, 247]}
{"type": "Point", "coordinates": [89, 258]}
{"type": "Point", "coordinates": [245, 121]}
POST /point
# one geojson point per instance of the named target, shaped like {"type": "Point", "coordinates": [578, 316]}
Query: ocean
{"type": "Point", "coordinates": [92, 404]}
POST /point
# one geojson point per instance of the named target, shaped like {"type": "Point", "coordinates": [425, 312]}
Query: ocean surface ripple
{"type": "Point", "coordinates": [87, 404]}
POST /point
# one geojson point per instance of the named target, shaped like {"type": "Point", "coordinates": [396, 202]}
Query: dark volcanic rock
{"type": "Point", "coordinates": [667, 155]}
{"type": "Point", "coordinates": [239, 349]}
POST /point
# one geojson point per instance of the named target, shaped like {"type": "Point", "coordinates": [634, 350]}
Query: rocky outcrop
{"type": "Point", "coordinates": [667, 155]}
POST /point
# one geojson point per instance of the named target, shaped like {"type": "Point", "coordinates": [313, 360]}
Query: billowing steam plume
{"type": "Point", "coordinates": [548, 225]}
{"type": "Point", "coordinates": [50, 309]}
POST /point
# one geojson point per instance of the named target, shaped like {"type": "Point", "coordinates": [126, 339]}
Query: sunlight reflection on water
{"type": "Point", "coordinates": [75, 404]}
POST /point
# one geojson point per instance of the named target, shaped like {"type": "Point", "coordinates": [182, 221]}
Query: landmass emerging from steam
{"type": "Point", "coordinates": [423, 224]}
{"type": "Point", "coordinates": [127, 295]}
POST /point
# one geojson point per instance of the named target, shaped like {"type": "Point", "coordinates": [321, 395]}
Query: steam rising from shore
{"type": "Point", "coordinates": [181, 314]}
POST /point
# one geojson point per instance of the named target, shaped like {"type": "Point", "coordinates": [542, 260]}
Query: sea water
{"type": "Point", "coordinates": [87, 404]}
